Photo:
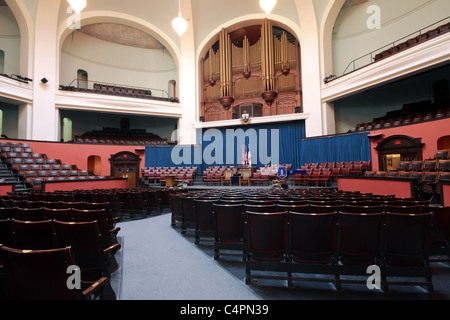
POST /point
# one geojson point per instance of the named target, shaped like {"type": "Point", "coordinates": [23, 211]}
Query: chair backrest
{"type": "Point", "coordinates": [34, 235]}
{"type": "Point", "coordinates": [312, 237]}
{"type": "Point", "coordinates": [360, 238]}
{"type": "Point", "coordinates": [407, 239]}
{"type": "Point", "coordinates": [228, 222]}
{"type": "Point", "coordinates": [363, 209]}
{"type": "Point", "coordinates": [29, 214]}
{"type": "Point", "coordinates": [188, 205]}
{"type": "Point", "coordinates": [264, 208]}
{"type": "Point", "coordinates": [204, 210]}
{"type": "Point", "coordinates": [84, 238]}
{"type": "Point", "coordinates": [410, 209]}
{"type": "Point", "coordinates": [64, 214]}
{"type": "Point", "coordinates": [267, 236]}
{"type": "Point", "coordinates": [38, 274]}
{"type": "Point", "coordinates": [6, 233]}
{"type": "Point", "coordinates": [98, 215]}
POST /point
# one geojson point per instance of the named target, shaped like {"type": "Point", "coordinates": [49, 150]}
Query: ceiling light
{"type": "Point", "coordinates": [77, 5]}
{"type": "Point", "coordinates": [179, 23]}
{"type": "Point", "coordinates": [267, 5]}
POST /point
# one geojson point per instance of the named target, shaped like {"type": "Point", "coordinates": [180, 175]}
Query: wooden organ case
{"type": "Point", "coordinates": [254, 70]}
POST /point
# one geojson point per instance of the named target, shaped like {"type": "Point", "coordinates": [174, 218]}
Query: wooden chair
{"type": "Point", "coordinates": [204, 210]}
{"type": "Point", "coordinates": [84, 239]}
{"type": "Point", "coordinates": [229, 232]}
{"type": "Point", "coordinates": [440, 233]}
{"type": "Point", "coordinates": [267, 241]}
{"type": "Point", "coordinates": [6, 233]}
{"type": "Point", "coordinates": [188, 215]}
{"type": "Point", "coordinates": [406, 249]}
{"type": "Point", "coordinates": [412, 209]}
{"type": "Point", "coordinates": [34, 235]}
{"type": "Point", "coordinates": [359, 244]}
{"type": "Point", "coordinates": [226, 177]}
{"type": "Point", "coordinates": [176, 209]}
{"type": "Point", "coordinates": [42, 275]}
{"type": "Point", "coordinates": [312, 243]}
{"type": "Point", "coordinates": [443, 165]}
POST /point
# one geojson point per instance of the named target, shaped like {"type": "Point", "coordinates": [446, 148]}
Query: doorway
{"type": "Point", "coordinates": [398, 148]}
{"type": "Point", "coordinates": [126, 164]}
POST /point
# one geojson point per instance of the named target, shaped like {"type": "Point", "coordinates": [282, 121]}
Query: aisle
{"type": "Point", "coordinates": [159, 264]}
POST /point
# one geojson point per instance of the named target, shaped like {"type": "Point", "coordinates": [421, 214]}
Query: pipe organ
{"type": "Point", "coordinates": [251, 70]}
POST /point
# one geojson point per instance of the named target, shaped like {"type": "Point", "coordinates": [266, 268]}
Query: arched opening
{"type": "Point", "coordinates": [67, 130]}
{"type": "Point", "coordinates": [443, 143]}
{"type": "Point", "coordinates": [253, 64]}
{"type": "Point", "coordinates": [1, 122]}
{"type": "Point", "coordinates": [2, 61]}
{"type": "Point", "coordinates": [172, 89]}
{"type": "Point", "coordinates": [82, 79]}
{"type": "Point", "coordinates": [95, 165]}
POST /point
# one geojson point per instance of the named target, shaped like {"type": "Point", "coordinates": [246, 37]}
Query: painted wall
{"type": "Point", "coordinates": [78, 154]}
{"type": "Point", "coordinates": [352, 38]}
{"type": "Point", "coordinates": [9, 41]}
{"type": "Point", "coordinates": [430, 132]}
{"type": "Point", "coordinates": [113, 63]}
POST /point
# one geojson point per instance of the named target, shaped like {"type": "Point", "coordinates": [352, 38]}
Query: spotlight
{"type": "Point", "coordinates": [44, 80]}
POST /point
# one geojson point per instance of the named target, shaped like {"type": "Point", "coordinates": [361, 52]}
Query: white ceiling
{"type": "Point", "coordinates": [122, 34]}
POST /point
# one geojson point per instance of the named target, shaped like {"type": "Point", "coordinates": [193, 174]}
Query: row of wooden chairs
{"type": "Point", "coordinates": [225, 221]}
{"type": "Point", "coordinates": [425, 165]}
{"type": "Point", "coordinates": [337, 245]}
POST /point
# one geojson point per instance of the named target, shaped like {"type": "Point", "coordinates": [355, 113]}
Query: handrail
{"type": "Point", "coordinates": [91, 86]}
{"type": "Point", "coordinates": [371, 54]}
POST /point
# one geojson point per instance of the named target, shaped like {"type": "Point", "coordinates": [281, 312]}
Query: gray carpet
{"type": "Point", "coordinates": [156, 263]}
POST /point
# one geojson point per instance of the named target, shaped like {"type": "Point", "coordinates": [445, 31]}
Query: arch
{"type": "Point", "coordinates": [94, 164]}
{"type": "Point", "coordinates": [67, 130]}
{"type": "Point", "coordinates": [1, 122]}
{"type": "Point", "coordinates": [326, 33]}
{"type": "Point", "coordinates": [82, 79]}
{"type": "Point", "coordinates": [443, 143]}
{"type": "Point", "coordinates": [2, 61]}
{"type": "Point", "coordinates": [91, 17]}
{"type": "Point", "coordinates": [407, 147]}
{"type": "Point", "coordinates": [25, 23]}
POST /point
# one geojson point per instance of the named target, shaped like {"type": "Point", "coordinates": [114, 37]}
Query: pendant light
{"type": "Point", "coordinates": [267, 5]}
{"type": "Point", "coordinates": [77, 5]}
{"type": "Point", "coordinates": [179, 23]}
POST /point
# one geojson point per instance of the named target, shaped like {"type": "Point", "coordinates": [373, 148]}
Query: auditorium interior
{"type": "Point", "coordinates": [270, 150]}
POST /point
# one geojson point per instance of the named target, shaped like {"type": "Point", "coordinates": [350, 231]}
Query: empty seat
{"type": "Point", "coordinates": [34, 235]}
{"type": "Point", "coordinates": [42, 275]}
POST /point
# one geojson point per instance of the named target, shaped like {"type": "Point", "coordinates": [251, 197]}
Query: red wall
{"type": "Point", "coordinates": [446, 195]}
{"type": "Point", "coordinates": [78, 154]}
{"type": "Point", "coordinates": [401, 189]}
{"type": "Point", "coordinates": [86, 185]}
{"type": "Point", "coordinates": [430, 132]}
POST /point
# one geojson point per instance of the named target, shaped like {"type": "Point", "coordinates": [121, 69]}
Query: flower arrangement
{"type": "Point", "coordinates": [276, 185]}
{"type": "Point", "coordinates": [181, 185]}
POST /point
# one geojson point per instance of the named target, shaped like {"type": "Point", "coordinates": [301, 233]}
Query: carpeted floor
{"type": "Point", "coordinates": [157, 262]}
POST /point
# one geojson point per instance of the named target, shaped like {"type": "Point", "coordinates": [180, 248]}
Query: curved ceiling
{"type": "Point", "coordinates": [122, 34]}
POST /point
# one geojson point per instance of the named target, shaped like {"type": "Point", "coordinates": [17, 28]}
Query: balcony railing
{"type": "Point", "coordinates": [79, 85]}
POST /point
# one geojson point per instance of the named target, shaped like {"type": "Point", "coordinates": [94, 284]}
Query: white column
{"type": "Point", "coordinates": [311, 81]}
{"type": "Point", "coordinates": [187, 80]}
{"type": "Point", "coordinates": [25, 121]}
{"type": "Point", "coordinates": [45, 65]}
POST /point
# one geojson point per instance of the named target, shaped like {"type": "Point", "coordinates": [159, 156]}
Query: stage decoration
{"type": "Point", "coordinates": [226, 92]}
{"type": "Point", "coordinates": [268, 66]}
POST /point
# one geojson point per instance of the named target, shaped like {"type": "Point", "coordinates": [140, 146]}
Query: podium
{"type": "Point", "coordinates": [170, 180]}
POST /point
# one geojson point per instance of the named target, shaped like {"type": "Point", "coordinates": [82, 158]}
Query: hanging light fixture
{"type": "Point", "coordinates": [267, 5]}
{"type": "Point", "coordinates": [179, 23]}
{"type": "Point", "coordinates": [77, 5]}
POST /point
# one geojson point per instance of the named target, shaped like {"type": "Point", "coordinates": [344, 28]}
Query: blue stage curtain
{"type": "Point", "coordinates": [283, 137]}
{"type": "Point", "coordinates": [170, 156]}
{"type": "Point", "coordinates": [350, 147]}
